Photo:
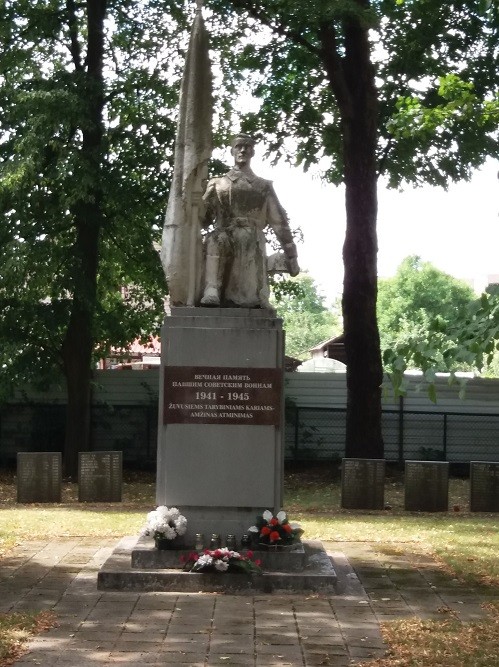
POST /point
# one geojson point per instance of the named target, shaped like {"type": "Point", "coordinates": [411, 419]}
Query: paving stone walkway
{"type": "Point", "coordinates": [203, 629]}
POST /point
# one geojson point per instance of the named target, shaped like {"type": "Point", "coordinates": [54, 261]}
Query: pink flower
{"type": "Point", "coordinates": [249, 553]}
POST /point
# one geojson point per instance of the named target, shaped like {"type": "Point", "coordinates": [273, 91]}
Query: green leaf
{"type": "Point", "coordinates": [432, 393]}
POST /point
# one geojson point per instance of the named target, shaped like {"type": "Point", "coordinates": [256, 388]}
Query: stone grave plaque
{"type": "Point", "coordinates": [100, 476]}
{"type": "Point", "coordinates": [39, 477]}
{"type": "Point", "coordinates": [427, 486]}
{"type": "Point", "coordinates": [363, 484]}
{"type": "Point", "coordinates": [484, 486]}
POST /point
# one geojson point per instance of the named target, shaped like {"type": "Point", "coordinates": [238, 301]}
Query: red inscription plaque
{"type": "Point", "coordinates": [207, 395]}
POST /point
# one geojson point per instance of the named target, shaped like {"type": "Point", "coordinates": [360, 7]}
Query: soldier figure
{"type": "Point", "coordinates": [240, 205]}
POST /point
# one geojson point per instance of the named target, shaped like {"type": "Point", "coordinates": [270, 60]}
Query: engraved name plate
{"type": "Point", "coordinates": [363, 484]}
{"type": "Point", "coordinates": [484, 486]}
{"type": "Point", "coordinates": [426, 486]}
{"type": "Point", "coordinates": [39, 477]}
{"type": "Point", "coordinates": [100, 476]}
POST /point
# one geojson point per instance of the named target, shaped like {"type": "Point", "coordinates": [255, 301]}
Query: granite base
{"type": "Point", "coordinates": [318, 575]}
{"type": "Point", "coordinates": [145, 556]}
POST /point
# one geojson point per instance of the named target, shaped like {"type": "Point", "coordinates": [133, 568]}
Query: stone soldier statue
{"type": "Point", "coordinates": [239, 207]}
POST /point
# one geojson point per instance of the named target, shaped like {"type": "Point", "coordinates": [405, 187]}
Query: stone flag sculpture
{"type": "Point", "coordinates": [182, 248]}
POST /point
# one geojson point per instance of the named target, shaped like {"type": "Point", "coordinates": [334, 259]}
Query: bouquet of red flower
{"type": "Point", "coordinates": [221, 560]}
{"type": "Point", "coordinates": [275, 530]}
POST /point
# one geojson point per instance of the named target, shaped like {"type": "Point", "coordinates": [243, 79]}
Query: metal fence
{"type": "Point", "coordinates": [131, 429]}
{"type": "Point", "coordinates": [311, 434]}
{"type": "Point", "coordinates": [319, 434]}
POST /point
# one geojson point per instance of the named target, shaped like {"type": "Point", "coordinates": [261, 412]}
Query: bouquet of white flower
{"type": "Point", "coordinates": [165, 523]}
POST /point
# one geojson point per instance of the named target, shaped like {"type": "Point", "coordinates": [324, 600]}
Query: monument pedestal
{"type": "Point", "coordinates": [146, 557]}
{"type": "Point", "coordinates": [220, 455]}
{"type": "Point", "coordinates": [134, 566]}
{"type": "Point", "coordinates": [220, 445]}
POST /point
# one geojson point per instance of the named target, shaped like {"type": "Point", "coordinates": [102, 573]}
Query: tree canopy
{"type": "Point", "coordinates": [48, 175]}
{"type": "Point", "coordinates": [306, 319]}
{"type": "Point", "coordinates": [436, 72]}
{"type": "Point", "coordinates": [419, 293]}
{"type": "Point", "coordinates": [88, 92]}
{"type": "Point", "coordinates": [471, 340]}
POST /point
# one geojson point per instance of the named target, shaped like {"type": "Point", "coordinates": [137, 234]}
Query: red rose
{"type": "Point", "coordinates": [265, 531]}
{"type": "Point", "coordinates": [249, 553]}
{"type": "Point", "coordinates": [273, 521]}
{"type": "Point", "coordinates": [274, 536]}
{"type": "Point", "coordinates": [287, 528]}
{"type": "Point", "coordinates": [258, 563]}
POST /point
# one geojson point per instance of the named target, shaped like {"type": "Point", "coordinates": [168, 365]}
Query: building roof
{"type": "Point", "coordinates": [333, 348]}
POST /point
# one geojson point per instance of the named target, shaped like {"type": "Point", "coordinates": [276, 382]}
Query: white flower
{"type": "Point", "coordinates": [169, 532]}
{"type": "Point", "coordinates": [181, 524]}
{"type": "Point", "coordinates": [221, 565]}
{"type": "Point", "coordinates": [156, 524]}
{"type": "Point", "coordinates": [204, 561]}
{"type": "Point", "coordinates": [267, 515]}
{"type": "Point", "coordinates": [165, 522]}
{"type": "Point", "coordinates": [281, 516]}
{"type": "Point", "coordinates": [253, 529]}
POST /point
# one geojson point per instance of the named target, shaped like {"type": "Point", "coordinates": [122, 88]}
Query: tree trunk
{"type": "Point", "coordinates": [79, 340]}
{"type": "Point", "coordinates": [77, 356]}
{"type": "Point", "coordinates": [352, 81]}
{"type": "Point", "coordinates": [88, 216]}
{"type": "Point", "coordinates": [362, 346]}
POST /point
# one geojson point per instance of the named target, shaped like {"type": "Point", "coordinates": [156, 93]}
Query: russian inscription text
{"type": "Point", "coordinates": [198, 395]}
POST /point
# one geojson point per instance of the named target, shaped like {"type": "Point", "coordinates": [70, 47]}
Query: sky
{"type": "Point", "coordinates": [456, 230]}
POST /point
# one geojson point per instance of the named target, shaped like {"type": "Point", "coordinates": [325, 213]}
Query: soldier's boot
{"type": "Point", "coordinates": [211, 295]}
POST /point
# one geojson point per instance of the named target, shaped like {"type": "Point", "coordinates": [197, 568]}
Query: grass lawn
{"type": "Point", "coordinates": [466, 544]}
